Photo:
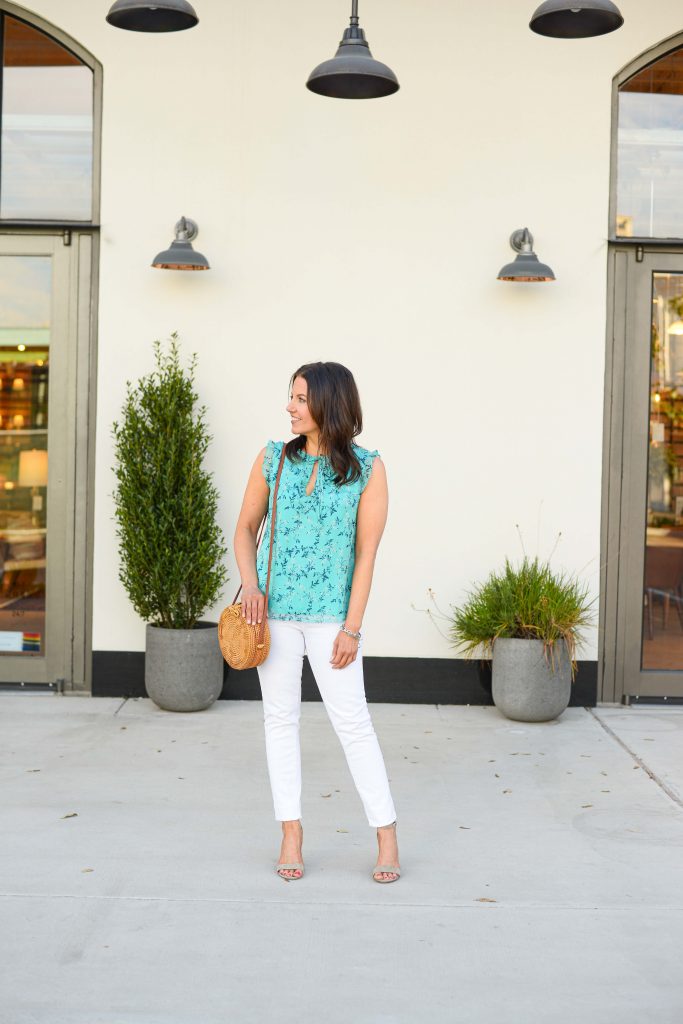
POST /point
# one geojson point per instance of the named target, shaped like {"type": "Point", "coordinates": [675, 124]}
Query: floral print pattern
{"type": "Point", "coordinates": [314, 550]}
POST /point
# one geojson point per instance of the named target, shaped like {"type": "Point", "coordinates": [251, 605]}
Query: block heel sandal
{"type": "Point", "coordinates": [290, 867]}
{"type": "Point", "coordinates": [393, 868]}
{"type": "Point", "coordinates": [294, 866]}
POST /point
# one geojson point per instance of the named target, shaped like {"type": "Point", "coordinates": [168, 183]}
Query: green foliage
{"type": "Point", "coordinates": [528, 602]}
{"type": "Point", "coordinates": [171, 548]}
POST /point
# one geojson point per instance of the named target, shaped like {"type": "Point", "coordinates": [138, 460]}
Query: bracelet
{"type": "Point", "coordinates": [356, 636]}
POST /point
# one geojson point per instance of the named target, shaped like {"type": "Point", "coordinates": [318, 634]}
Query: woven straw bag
{"type": "Point", "coordinates": [244, 645]}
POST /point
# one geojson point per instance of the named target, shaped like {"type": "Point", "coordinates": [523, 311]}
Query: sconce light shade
{"type": "Point", "coordinates": [576, 19]}
{"type": "Point", "coordinates": [353, 73]}
{"type": "Point", "coordinates": [156, 16]}
{"type": "Point", "coordinates": [180, 255]}
{"type": "Point", "coordinates": [527, 266]}
{"type": "Point", "coordinates": [33, 468]}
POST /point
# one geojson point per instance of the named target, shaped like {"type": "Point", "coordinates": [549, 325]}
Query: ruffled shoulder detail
{"type": "Point", "coordinates": [271, 460]}
{"type": "Point", "coordinates": [366, 460]}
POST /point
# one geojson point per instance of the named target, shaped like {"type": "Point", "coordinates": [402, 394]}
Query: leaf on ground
{"type": "Point", "coordinates": [507, 790]}
{"type": "Point", "coordinates": [586, 805]}
{"type": "Point", "coordinates": [484, 899]}
{"type": "Point", "coordinates": [342, 830]}
{"type": "Point", "coordinates": [326, 795]}
{"type": "Point", "coordinates": [85, 870]}
{"type": "Point", "coordinates": [73, 814]}
{"type": "Point", "coordinates": [468, 827]}
{"type": "Point", "coordinates": [32, 770]}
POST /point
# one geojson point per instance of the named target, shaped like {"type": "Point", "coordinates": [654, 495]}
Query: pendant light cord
{"type": "Point", "coordinates": [354, 12]}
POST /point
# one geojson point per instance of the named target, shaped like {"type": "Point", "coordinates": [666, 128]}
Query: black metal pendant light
{"type": "Point", "coordinates": [151, 16]}
{"type": "Point", "coordinates": [353, 73]}
{"type": "Point", "coordinates": [576, 19]}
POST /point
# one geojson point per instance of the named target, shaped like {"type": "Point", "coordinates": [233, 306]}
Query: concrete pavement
{"type": "Point", "coordinates": [542, 868]}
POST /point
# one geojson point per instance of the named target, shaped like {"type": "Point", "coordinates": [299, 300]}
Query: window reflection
{"type": "Point", "coordinates": [650, 151]}
{"type": "Point", "coordinates": [663, 584]}
{"type": "Point", "coordinates": [25, 286]}
{"type": "Point", "coordinates": [47, 128]}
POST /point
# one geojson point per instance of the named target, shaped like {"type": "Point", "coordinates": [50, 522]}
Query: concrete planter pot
{"type": "Point", "coordinates": [183, 667]}
{"type": "Point", "coordinates": [525, 686]}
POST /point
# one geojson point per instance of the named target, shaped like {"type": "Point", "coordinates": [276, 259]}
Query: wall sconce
{"type": "Point", "coordinates": [353, 73]}
{"type": "Point", "coordinates": [527, 266]}
{"type": "Point", "coordinates": [157, 16]}
{"type": "Point", "coordinates": [576, 19]}
{"type": "Point", "coordinates": [180, 255]}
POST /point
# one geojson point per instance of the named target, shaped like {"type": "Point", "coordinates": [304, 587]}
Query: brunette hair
{"type": "Point", "coordinates": [334, 403]}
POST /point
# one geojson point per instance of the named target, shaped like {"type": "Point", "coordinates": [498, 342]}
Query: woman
{"type": "Point", "coordinates": [331, 512]}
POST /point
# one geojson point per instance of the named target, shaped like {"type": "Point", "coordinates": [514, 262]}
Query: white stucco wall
{"type": "Point", "coordinates": [371, 233]}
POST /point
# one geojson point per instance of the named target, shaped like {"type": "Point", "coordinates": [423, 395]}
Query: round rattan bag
{"type": "Point", "coordinates": [242, 645]}
{"type": "Point", "coordinates": [245, 645]}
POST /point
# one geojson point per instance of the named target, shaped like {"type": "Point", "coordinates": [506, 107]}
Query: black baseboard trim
{"type": "Point", "coordinates": [387, 680]}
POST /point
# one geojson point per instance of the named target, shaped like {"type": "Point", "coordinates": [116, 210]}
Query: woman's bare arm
{"type": "Point", "coordinates": [373, 508]}
{"type": "Point", "coordinates": [254, 507]}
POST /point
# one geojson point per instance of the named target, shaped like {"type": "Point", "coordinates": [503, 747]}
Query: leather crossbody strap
{"type": "Point", "coordinates": [272, 533]}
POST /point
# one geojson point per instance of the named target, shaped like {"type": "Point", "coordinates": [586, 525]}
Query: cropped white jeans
{"type": "Point", "coordinates": [343, 693]}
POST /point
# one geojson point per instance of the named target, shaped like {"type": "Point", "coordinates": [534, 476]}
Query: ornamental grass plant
{"type": "Point", "coordinates": [171, 547]}
{"type": "Point", "coordinates": [528, 602]}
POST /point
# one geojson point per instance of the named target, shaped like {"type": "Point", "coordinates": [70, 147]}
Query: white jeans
{"type": "Point", "coordinates": [343, 693]}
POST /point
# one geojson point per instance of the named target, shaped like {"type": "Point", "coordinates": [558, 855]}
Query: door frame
{"type": "Point", "coordinates": [625, 461]}
{"type": "Point", "coordinates": [68, 669]}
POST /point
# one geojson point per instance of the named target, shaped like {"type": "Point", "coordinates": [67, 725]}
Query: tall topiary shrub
{"type": "Point", "coordinates": [170, 545]}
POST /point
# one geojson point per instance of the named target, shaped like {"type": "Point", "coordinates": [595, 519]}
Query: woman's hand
{"type": "Point", "coordinates": [344, 650]}
{"type": "Point", "coordinates": [253, 604]}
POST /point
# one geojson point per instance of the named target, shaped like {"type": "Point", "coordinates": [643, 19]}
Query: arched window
{"type": "Point", "coordinates": [649, 186]}
{"type": "Point", "coordinates": [46, 143]}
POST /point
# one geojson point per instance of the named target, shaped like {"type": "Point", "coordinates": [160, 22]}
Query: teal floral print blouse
{"type": "Point", "coordinates": [314, 550]}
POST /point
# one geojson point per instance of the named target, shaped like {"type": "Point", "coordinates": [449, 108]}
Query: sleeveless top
{"type": "Point", "coordinates": [315, 537]}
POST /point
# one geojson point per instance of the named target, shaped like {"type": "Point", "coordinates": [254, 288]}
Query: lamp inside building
{"type": "Point", "coordinates": [33, 474]}
{"type": "Point", "coordinates": [527, 266]}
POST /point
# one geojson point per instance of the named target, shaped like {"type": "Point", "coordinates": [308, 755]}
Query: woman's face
{"type": "Point", "coordinates": [302, 421]}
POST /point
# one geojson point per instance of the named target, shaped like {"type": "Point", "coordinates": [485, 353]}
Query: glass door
{"type": "Point", "coordinates": [651, 587]}
{"type": "Point", "coordinates": [35, 618]}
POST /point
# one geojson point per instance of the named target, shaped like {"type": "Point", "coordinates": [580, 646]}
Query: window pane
{"type": "Point", "coordinates": [25, 289]}
{"type": "Point", "coordinates": [663, 598]}
{"type": "Point", "coordinates": [47, 127]}
{"type": "Point", "coordinates": [650, 151]}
